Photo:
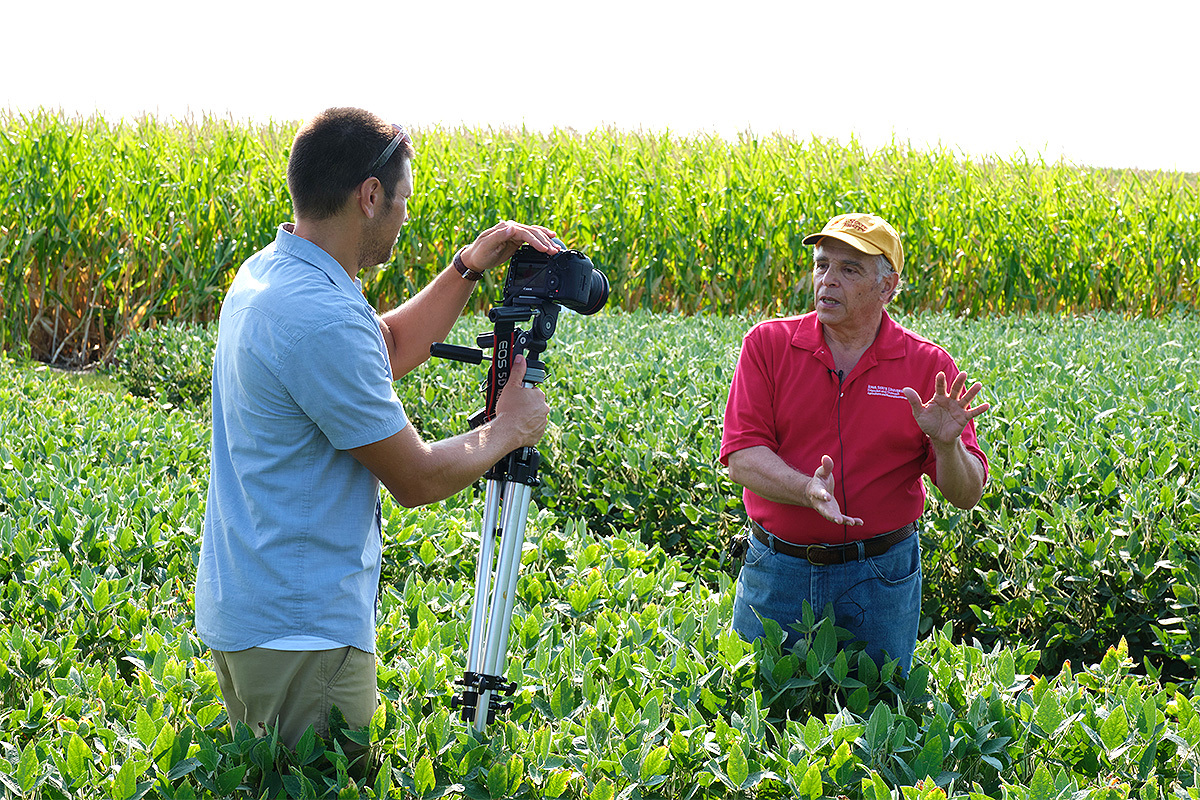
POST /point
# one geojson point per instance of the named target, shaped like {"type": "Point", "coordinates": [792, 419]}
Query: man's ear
{"type": "Point", "coordinates": [890, 282]}
{"type": "Point", "coordinates": [368, 196]}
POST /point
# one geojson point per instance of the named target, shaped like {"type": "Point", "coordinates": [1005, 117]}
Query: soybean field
{"type": "Point", "coordinates": [1057, 657]}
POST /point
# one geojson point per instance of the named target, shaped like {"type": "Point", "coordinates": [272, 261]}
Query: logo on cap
{"type": "Point", "coordinates": [855, 223]}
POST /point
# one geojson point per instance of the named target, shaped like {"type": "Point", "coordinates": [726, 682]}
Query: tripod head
{"type": "Point", "coordinates": [536, 287]}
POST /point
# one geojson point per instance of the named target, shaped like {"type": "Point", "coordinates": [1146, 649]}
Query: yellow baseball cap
{"type": "Point", "coordinates": [864, 232]}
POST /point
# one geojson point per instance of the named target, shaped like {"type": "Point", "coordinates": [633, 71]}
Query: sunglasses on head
{"type": "Point", "coordinates": [400, 137]}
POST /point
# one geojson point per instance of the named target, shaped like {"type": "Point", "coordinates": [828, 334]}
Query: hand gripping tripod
{"type": "Point", "coordinates": [506, 508]}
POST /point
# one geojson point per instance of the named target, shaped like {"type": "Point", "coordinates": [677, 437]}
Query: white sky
{"type": "Point", "coordinates": [1097, 83]}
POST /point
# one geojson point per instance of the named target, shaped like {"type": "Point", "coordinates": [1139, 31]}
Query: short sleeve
{"type": "Point", "coordinates": [339, 376]}
{"type": "Point", "coordinates": [749, 411]}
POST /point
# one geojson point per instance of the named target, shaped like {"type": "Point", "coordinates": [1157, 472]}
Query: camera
{"type": "Point", "coordinates": [566, 277]}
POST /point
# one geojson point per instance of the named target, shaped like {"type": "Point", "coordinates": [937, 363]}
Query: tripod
{"type": "Point", "coordinates": [506, 508]}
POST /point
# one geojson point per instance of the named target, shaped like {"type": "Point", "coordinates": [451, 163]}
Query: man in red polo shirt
{"type": "Point", "coordinates": [827, 431]}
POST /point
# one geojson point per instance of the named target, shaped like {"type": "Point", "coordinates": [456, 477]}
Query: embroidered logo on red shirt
{"type": "Point", "coordinates": [885, 391]}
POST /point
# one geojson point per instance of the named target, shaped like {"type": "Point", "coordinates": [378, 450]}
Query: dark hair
{"type": "Point", "coordinates": [331, 155]}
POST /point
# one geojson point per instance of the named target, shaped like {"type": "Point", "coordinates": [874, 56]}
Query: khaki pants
{"type": "Point", "coordinates": [296, 689]}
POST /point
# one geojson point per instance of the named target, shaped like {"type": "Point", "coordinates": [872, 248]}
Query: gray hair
{"type": "Point", "coordinates": [883, 268]}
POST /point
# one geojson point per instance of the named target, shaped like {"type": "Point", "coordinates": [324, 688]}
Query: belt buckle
{"type": "Point", "coordinates": [808, 552]}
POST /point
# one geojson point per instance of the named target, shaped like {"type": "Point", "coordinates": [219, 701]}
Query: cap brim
{"type": "Point", "coordinates": [860, 245]}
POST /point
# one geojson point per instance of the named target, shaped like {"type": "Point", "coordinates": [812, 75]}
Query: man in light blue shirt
{"type": "Point", "coordinates": [306, 425]}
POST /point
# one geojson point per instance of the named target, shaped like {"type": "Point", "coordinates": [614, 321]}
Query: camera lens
{"type": "Point", "coordinates": [597, 294]}
{"type": "Point", "coordinates": [584, 289]}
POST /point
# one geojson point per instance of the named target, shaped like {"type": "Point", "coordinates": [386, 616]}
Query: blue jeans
{"type": "Point", "coordinates": [877, 599]}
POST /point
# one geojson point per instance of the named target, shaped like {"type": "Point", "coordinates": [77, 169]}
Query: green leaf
{"type": "Point", "coordinates": [992, 762]}
{"type": "Point", "coordinates": [145, 728]}
{"type": "Point", "coordinates": [814, 733]}
{"type": "Point", "coordinates": [422, 635]}
{"type": "Point", "coordinates": [772, 632]}
{"type": "Point", "coordinates": [753, 715]}
{"type": "Point", "coordinates": [1041, 786]}
{"type": "Point", "coordinates": [736, 767]}
{"type": "Point", "coordinates": [557, 783]}
{"type": "Point", "coordinates": [784, 668]}
{"type": "Point", "coordinates": [1148, 719]}
{"type": "Point", "coordinates": [1115, 729]}
{"type": "Point", "coordinates": [383, 779]}
{"type": "Point", "coordinates": [1049, 713]}
{"type": "Point", "coordinates": [731, 647]}
{"type": "Point", "coordinates": [812, 664]}
{"type": "Point", "coordinates": [79, 756]}
{"type": "Point", "coordinates": [868, 670]}
{"type": "Point", "coordinates": [841, 668]}
{"type": "Point", "coordinates": [100, 597]}
{"type": "Point", "coordinates": [423, 777]}
{"type": "Point", "coordinates": [428, 553]}
{"type": "Point", "coordinates": [564, 700]}
{"type": "Point", "coordinates": [859, 700]}
{"type": "Point", "coordinates": [929, 762]}
{"type": "Point", "coordinates": [504, 778]}
{"type": "Point", "coordinates": [808, 617]}
{"type": "Point", "coordinates": [603, 790]}
{"type": "Point", "coordinates": [306, 749]}
{"type": "Point", "coordinates": [825, 645]}
{"type": "Point", "coordinates": [811, 786]}
{"type": "Point", "coordinates": [652, 713]}
{"type": "Point", "coordinates": [28, 768]}
{"type": "Point", "coordinates": [656, 763]}
{"type": "Point", "coordinates": [382, 721]}
{"type": "Point", "coordinates": [124, 785]}
{"type": "Point", "coordinates": [185, 766]}
{"type": "Point", "coordinates": [1006, 670]}
{"type": "Point", "coordinates": [163, 746]}
{"type": "Point", "coordinates": [878, 727]}
{"type": "Point", "coordinates": [230, 779]}
{"type": "Point", "coordinates": [917, 684]}
{"type": "Point", "coordinates": [1147, 760]}
{"type": "Point", "coordinates": [874, 788]}
{"type": "Point", "coordinates": [625, 714]}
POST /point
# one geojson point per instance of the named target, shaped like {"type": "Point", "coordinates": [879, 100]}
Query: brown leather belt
{"type": "Point", "coordinates": [826, 554]}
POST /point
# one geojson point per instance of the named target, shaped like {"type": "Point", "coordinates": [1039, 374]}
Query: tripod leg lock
{"type": "Point", "coordinates": [519, 466]}
{"type": "Point", "coordinates": [475, 684]}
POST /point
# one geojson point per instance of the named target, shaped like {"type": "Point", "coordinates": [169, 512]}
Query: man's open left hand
{"type": "Point", "coordinates": [498, 243]}
{"type": "Point", "coordinates": [947, 413]}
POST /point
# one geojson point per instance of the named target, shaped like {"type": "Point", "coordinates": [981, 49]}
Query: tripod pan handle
{"type": "Point", "coordinates": [455, 352]}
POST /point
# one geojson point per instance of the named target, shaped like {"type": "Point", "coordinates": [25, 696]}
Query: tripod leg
{"type": "Point", "coordinates": [512, 538]}
{"type": "Point", "coordinates": [483, 573]}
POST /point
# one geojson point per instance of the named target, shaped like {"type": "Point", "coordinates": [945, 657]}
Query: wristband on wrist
{"type": "Point", "coordinates": [464, 270]}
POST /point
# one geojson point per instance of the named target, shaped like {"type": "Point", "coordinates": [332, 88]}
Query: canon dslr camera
{"type": "Point", "coordinates": [566, 277]}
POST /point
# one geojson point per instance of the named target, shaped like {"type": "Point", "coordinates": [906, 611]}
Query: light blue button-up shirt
{"type": "Point", "coordinates": [292, 543]}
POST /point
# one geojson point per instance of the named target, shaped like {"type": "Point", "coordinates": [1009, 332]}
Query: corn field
{"type": "Point", "coordinates": [106, 227]}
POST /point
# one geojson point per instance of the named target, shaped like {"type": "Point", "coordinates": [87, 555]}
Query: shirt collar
{"type": "Point", "coordinates": [889, 342]}
{"type": "Point", "coordinates": [286, 241]}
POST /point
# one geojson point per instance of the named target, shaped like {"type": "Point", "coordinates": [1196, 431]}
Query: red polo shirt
{"type": "Point", "coordinates": [786, 395]}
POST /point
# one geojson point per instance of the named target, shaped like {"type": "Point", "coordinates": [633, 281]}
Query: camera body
{"type": "Point", "coordinates": [566, 277]}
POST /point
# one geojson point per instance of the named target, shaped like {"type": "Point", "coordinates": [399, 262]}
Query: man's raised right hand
{"type": "Point", "coordinates": [821, 497]}
{"type": "Point", "coordinates": [521, 411]}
